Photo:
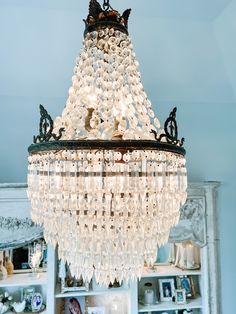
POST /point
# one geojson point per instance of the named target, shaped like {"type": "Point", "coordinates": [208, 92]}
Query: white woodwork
{"type": "Point", "coordinates": [26, 279]}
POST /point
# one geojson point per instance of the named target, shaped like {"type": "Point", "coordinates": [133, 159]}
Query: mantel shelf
{"type": "Point", "coordinates": [26, 279]}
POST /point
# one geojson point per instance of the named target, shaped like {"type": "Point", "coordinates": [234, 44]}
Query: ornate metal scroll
{"type": "Point", "coordinates": [46, 128]}
{"type": "Point", "coordinates": [171, 130]}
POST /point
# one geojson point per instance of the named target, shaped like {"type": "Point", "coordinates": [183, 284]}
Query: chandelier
{"type": "Point", "coordinates": [104, 179]}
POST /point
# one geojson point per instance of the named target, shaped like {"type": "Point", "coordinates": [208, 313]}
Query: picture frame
{"type": "Point", "coordinates": [69, 283]}
{"type": "Point", "coordinates": [20, 257]}
{"type": "Point", "coordinates": [27, 294]}
{"type": "Point", "coordinates": [180, 296]}
{"type": "Point", "coordinates": [74, 305]}
{"type": "Point", "coordinates": [96, 310]}
{"type": "Point", "coordinates": [166, 289]}
{"type": "Point", "coordinates": [36, 302]}
{"type": "Point", "coordinates": [187, 283]}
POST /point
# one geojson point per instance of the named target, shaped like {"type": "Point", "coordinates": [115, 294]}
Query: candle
{"type": "Point", "coordinates": [190, 256]}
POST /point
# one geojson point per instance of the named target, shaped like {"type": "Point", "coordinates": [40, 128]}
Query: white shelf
{"type": "Point", "coordinates": [91, 292]}
{"type": "Point", "coordinates": [25, 312]}
{"type": "Point", "coordinates": [20, 280]}
{"type": "Point", "coordinates": [167, 271]}
{"type": "Point", "coordinates": [170, 306]}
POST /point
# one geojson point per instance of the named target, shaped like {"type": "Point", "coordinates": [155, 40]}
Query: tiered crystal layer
{"type": "Point", "coordinates": [107, 99]}
{"type": "Point", "coordinates": [108, 211]}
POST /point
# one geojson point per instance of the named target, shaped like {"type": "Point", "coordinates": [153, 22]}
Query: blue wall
{"type": "Point", "coordinates": [187, 58]}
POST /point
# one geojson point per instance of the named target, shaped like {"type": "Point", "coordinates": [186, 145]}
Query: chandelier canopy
{"type": "Point", "coordinates": [104, 179]}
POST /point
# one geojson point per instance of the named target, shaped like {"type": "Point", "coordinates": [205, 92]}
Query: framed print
{"type": "Point", "coordinates": [27, 295]}
{"type": "Point", "coordinates": [75, 305]}
{"type": "Point", "coordinates": [96, 310]}
{"type": "Point", "coordinates": [167, 289]}
{"type": "Point", "coordinates": [185, 282]}
{"type": "Point", "coordinates": [180, 296]}
{"type": "Point", "coordinates": [69, 283]}
{"type": "Point", "coordinates": [36, 302]}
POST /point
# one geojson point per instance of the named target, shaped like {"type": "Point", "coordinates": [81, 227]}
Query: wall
{"type": "Point", "coordinates": [186, 60]}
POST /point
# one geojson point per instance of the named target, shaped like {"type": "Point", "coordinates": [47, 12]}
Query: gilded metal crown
{"type": "Point", "coordinates": [105, 16]}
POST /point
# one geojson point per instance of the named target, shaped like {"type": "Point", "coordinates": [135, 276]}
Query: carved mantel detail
{"type": "Point", "coordinates": [192, 223]}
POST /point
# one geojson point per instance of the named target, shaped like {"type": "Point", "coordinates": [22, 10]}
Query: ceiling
{"type": "Point", "coordinates": [185, 48]}
{"type": "Point", "coordinates": [175, 41]}
{"type": "Point", "coordinates": [189, 9]}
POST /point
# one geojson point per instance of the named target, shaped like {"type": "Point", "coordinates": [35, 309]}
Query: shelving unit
{"type": "Point", "coordinates": [169, 271]}
{"type": "Point", "coordinates": [14, 283]}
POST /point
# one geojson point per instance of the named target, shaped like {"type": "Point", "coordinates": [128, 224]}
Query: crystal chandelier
{"type": "Point", "coordinates": [104, 179]}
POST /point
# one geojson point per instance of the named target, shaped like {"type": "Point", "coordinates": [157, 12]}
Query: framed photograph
{"type": "Point", "coordinates": [180, 296]}
{"type": "Point", "coordinates": [75, 305]}
{"type": "Point", "coordinates": [185, 282]}
{"type": "Point", "coordinates": [20, 257]}
{"type": "Point", "coordinates": [69, 283]}
{"type": "Point", "coordinates": [36, 302]}
{"type": "Point", "coordinates": [96, 310]}
{"type": "Point", "coordinates": [27, 295]}
{"type": "Point", "coordinates": [167, 289]}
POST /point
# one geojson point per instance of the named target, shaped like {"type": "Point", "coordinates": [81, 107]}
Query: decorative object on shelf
{"type": "Point", "coordinates": [3, 308]}
{"type": "Point", "coordinates": [5, 302]}
{"type": "Point", "coordinates": [3, 271]}
{"type": "Point", "coordinates": [167, 289]}
{"type": "Point", "coordinates": [19, 306]}
{"type": "Point", "coordinates": [35, 256]}
{"type": "Point", "coordinates": [20, 256]}
{"type": "Point", "coordinates": [74, 305]}
{"type": "Point", "coordinates": [116, 306]}
{"type": "Point", "coordinates": [148, 296]}
{"type": "Point", "coordinates": [180, 296]}
{"type": "Point", "coordinates": [36, 302]}
{"type": "Point", "coordinates": [42, 311]}
{"type": "Point", "coordinates": [187, 256]}
{"type": "Point", "coordinates": [96, 310]}
{"type": "Point", "coordinates": [191, 226]}
{"type": "Point", "coordinates": [186, 282]}
{"type": "Point", "coordinates": [27, 294]}
{"type": "Point", "coordinates": [69, 283]}
{"type": "Point", "coordinates": [115, 284]}
{"type": "Point", "coordinates": [105, 176]}
{"type": "Point", "coordinates": [9, 266]}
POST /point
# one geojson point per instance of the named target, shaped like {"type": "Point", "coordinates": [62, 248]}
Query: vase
{"type": "Point", "coordinates": [3, 272]}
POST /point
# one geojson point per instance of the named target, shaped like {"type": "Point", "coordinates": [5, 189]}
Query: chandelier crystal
{"type": "Point", "coordinates": [104, 179]}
